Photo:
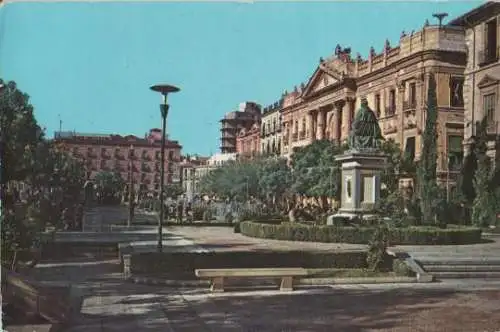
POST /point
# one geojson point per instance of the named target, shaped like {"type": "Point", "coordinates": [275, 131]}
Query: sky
{"type": "Point", "coordinates": [91, 64]}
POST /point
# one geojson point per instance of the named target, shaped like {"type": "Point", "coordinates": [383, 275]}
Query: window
{"type": "Point", "coordinates": [412, 98]}
{"type": "Point", "coordinates": [377, 105]}
{"type": "Point", "coordinates": [455, 152]}
{"type": "Point", "coordinates": [457, 92]}
{"type": "Point", "coordinates": [410, 148]}
{"type": "Point", "coordinates": [490, 51]}
{"type": "Point", "coordinates": [489, 103]}
{"type": "Point", "coordinates": [391, 108]}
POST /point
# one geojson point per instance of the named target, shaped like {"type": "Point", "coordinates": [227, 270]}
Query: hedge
{"type": "Point", "coordinates": [187, 262]}
{"type": "Point", "coordinates": [413, 235]}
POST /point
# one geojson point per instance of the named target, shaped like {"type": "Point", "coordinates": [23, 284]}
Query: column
{"type": "Point", "coordinates": [321, 120]}
{"type": "Point", "coordinates": [310, 125]}
{"type": "Point", "coordinates": [399, 112]}
{"type": "Point", "coordinates": [346, 118]}
{"type": "Point", "coordinates": [338, 120]}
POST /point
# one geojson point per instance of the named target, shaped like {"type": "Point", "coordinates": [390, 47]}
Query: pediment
{"type": "Point", "coordinates": [486, 81]}
{"type": "Point", "coordinates": [324, 76]}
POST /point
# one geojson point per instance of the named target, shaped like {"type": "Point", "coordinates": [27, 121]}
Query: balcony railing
{"type": "Point", "coordinates": [146, 157]}
{"type": "Point", "coordinates": [487, 56]}
{"type": "Point", "coordinates": [390, 110]}
{"type": "Point", "coordinates": [295, 136]}
{"type": "Point", "coordinates": [409, 105]}
{"type": "Point", "coordinates": [302, 134]}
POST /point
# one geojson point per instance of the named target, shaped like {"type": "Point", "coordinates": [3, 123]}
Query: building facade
{"type": "Point", "coordinates": [482, 73]}
{"type": "Point", "coordinates": [270, 129]}
{"type": "Point", "coordinates": [137, 160]}
{"type": "Point", "coordinates": [248, 114]}
{"type": "Point", "coordinates": [248, 141]}
{"type": "Point", "coordinates": [395, 83]}
{"type": "Point", "coordinates": [190, 176]}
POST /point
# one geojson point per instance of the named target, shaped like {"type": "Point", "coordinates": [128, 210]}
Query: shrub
{"type": "Point", "coordinates": [415, 235]}
{"type": "Point", "coordinates": [377, 247]}
{"type": "Point", "coordinates": [228, 218]}
{"type": "Point", "coordinates": [187, 262]}
{"type": "Point", "coordinates": [237, 227]}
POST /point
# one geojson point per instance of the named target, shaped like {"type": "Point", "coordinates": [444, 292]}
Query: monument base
{"type": "Point", "coordinates": [330, 220]}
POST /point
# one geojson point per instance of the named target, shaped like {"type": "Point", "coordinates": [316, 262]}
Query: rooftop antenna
{"type": "Point", "coordinates": [60, 123]}
{"type": "Point", "coordinates": [440, 17]}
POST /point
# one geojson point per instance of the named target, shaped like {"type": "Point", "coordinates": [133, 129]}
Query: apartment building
{"type": "Point", "coordinates": [245, 117]}
{"type": "Point", "coordinates": [270, 129]}
{"type": "Point", "coordinates": [135, 159]}
{"type": "Point", "coordinates": [482, 73]}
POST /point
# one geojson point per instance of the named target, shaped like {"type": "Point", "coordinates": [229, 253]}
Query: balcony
{"type": "Point", "coordinates": [390, 110]}
{"type": "Point", "coordinates": [146, 157]}
{"type": "Point", "coordinates": [132, 156]}
{"type": "Point", "coordinates": [409, 105]}
{"type": "Point", "coordinates": [302, 134]}
{"type": "Point", "coordinates": [487, 56]}
{"type": "Point", "coordinates": [145, 168]}
{"type": "Point", "coordinates": [492, 128]}
{"type": "Point", "coordinates": [295, 136]}
{"type": "Point", "coordinates": [285, 140]}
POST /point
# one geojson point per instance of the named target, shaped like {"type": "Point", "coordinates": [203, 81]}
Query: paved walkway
{"type": "Point", "coordinates": [108, 303]}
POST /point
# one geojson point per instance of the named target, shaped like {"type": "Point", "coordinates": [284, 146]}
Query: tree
{"type": "Point", "coordinates": [173, 190]}
{"type": "Point", "coordinates": [484, 205]}
{"type": "Point", "coordinates": [426, 171]}
{"type": "Point", "coordinates": [109, 187]}
{"type": "Point", "coordinates": [275, 180]}
{"type": "Point", "coordinates": [315, 171]}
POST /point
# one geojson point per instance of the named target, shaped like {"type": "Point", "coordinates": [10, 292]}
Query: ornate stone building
{"type": "Point", "coordinates": [248, 114]}
{"type": "Point", "coordinates": [482, 73]}
{"type": "Point", "coordinates": [270, 129]}
{"type": "Point", "coordinates": [127, 155]}
{"type": "Point", "coordinates": [394, 81]}
{"type": "Point", "coordinates": [248, 141]}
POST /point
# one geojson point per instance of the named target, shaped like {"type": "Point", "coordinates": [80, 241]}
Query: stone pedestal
{"type": "Point", "coordinates": [360, 187]}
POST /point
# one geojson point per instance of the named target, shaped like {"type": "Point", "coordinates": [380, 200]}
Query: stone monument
{"type": "Point", "coordinates": [362, 165]}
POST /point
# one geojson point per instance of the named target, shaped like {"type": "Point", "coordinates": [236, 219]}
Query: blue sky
{"type": "Point", "coordinates": [92, 63]}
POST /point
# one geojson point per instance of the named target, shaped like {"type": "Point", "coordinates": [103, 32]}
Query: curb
{"type": "Point", "coordinates": [302, 282]}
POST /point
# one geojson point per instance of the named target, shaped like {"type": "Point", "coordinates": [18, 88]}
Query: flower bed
{"type": "Point", "coordinates": [413, 235]}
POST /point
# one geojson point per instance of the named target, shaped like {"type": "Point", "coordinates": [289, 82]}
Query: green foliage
{"type": "Point", "coordinates": [412, 235]}
{"type": "Point", "coordinates": [20, 132]}
{"type": "Point", "coordinates": [316, 173]}
{"type": "Point", "coordinates": [55, 180]}
{"type": "Point", "coordinates": [427, 168]}
{"type": "Point", "coordinates": [173, 190]}
{"type": "Point", "coordinates": [186, 262]}
{"type": "Point", "coordinates": [377, 247]}
{"type": "Point", "coordinates": [483, 209]}
{"type": "Point", "coordinates": [110, 186]}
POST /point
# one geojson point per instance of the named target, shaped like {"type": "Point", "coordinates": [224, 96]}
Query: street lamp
{"type": "Point", "coordinates": [164, 89]}
{"type": "Point", "coordinates": [131, 187]}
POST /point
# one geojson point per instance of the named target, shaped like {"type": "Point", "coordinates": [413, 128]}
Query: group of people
{"type": "Point", "coordinates": [178, 210]}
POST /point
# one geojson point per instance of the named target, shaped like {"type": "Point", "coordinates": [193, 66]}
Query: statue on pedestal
{"type": "Point", "coordinates": [365, 132]}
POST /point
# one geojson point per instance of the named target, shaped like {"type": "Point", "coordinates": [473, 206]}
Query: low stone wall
{"type": "Point", "coordinates": [186, 262]}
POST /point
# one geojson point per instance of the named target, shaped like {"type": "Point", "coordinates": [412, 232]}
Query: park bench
{"type": "Point", "coordinates": [217, 276]}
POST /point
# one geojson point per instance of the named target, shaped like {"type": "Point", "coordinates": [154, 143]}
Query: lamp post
{"type": "Point", "coordinates": [164, 89]}
{"type": "Point", "coordinates": [131, 187]}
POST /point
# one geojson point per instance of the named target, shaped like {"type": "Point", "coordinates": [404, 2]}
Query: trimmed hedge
{"type": "Point", "coordinates": [413, 235]}
{"type": "Point", "coordinates": [187, 262]}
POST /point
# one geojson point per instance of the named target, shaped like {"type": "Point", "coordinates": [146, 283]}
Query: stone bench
{"type": "Point", "coordinates": [217, 276]}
